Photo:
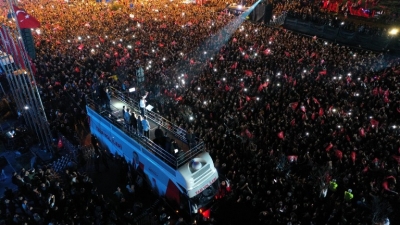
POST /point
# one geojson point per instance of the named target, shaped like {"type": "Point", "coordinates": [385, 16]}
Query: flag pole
{"type": "Point", "coordinates": [30, 103]}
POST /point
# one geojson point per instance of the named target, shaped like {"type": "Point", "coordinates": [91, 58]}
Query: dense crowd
{"type": "Point", "coordinates": [305, 130]}
{"type": "Point", "coordinates": [308, 11]}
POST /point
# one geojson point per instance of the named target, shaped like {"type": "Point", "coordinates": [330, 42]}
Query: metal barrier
{"type": "Point", "coordinates": [371, 42]}
{"type": "Point", "coordinates": [278, 21]}
{"type": "Point", "coordinates": [145, 143]}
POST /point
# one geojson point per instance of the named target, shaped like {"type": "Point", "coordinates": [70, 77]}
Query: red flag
{"type": "Point", "coordinates": [234, 66]}
{"type": "Point", "coordinates": [60, 143]}
{"type": "Point", "coordinates": [300, 60]}
{"type": "Point", "coordinates": [234, 40]}
{"type": "Point", "coordinates": [287, 54]}
{"type": "Point", "coordinates": [248, 98]}
{"type": "Point", "coordinates": [248, 73]}
{"type": "Point", "coordinates": [281, 135]}
{"type": "Point", "coordinates": [24, 19]}
{"type": "Point", "coordinates": [293, 122]}
{"type": "Point", "coordinates": [101, 39]}
{"type": "Point", "coordinates": [374, 122]}
{"type": "Point", "coordinates": [321, 112]}
{"type": "Point", "coordinates": [80, 47]}
{"type": "Point", "coordinates": [353, 156]}
{"type": "Point", "coordinates": [362, 132]}
{"type": "Point", "coordinates": [161, 45]}
{"type": "Point", "coordinates": [328, 148]}
{"type": "Point", "coordinates": [77, 69]}
{"type": "Point", "coordinates": [339, 154]}
{"type": "Point", "coordinates": [267, 51]}
{"type": "Point", "coordinates": [292, 158]}
{"type": "Point", "coordinates": [316, 101]}
{"type": "Point", "coordinates": [323, 72]}
{"type": "Point", "coordinates": [294, 105]}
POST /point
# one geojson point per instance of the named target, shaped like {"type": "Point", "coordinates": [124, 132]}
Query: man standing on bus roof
{"type": "Point", "coordinates": [146, 127]}
{"type": "Point", "coordinates": [142, 104]}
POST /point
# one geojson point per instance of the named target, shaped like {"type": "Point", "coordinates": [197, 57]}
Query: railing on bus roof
{"type": "Point", "coordinates": [153, 116]}
{"type": "Point", "coordinates": [149, 145]}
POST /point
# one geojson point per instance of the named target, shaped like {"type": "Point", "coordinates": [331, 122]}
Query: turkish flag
{"type": "Point", "coordinates": [374, 122]}
{"type": "Point", "coordinates": [234, 66]}
{"type": "Point", "coordinates": [362, 132]}
{"type": "Point", "coordinates": [339, 154]}
{"type": "Point", "coordinates": [328, 148]}
{"type": "Point", "coordinates": [248, 73]}
{"type": "Point", "coordinates": [281, 135]}
{"type": "Point", "coordinates": [294, 105]}
{"type": "Point", "coordinates": [80, 47]}
{"type": "Point", "coordinates": [321, 112]}
{"type": "Point", "coordinates": [24, 19]}
{"type": "Point", "coordinates": [353, 156]}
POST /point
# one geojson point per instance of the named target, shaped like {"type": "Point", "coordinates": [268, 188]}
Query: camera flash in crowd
{"type": "Point", "coordinates": [307, 133]}
{"type": "Point", "coordinates": [333, 110]}
{"type": "Point", "coordinates": [212, 58]}
{"type": "Point", "coordinates": [131, 16]}
{"type": "Point", "coordinates": [97, 46]}
{"type": "Point", "coordinates": [305, 71]}
{"type": "Point", "coordinates": [370, 117]}
{"type": "Point", "coordinates": [176, 86]}
{"type": "Point", "coordinates": [88, 37]}
{"type": "Point", "coordinates": [278, 84]}
{"type": "Point", "coordinates": [38, 31]}
{"type": "Point", "coordinates": [191, 118]}
{"type": "Point", "coordinates": [68, 41]}
{"type": "Point", "coordinates": [183, 81]}
{"type": "Point", "coordinates": [223, 79]}
{"type": "Point", "coordinates": [325, 43]}
{"type": "Point", "coordinates": [215, 70]}
{"type": "Point", "coordinates": [205, 53]}
{"type": "Point", "coordinates": [138, 24]}
{"type": "Point", "coordinates": [79, 38]}
{"type": "Point", "coordinates": [245, 89]}
{"type": "Point", "coordinates": [349, 74]}
{"type": "Point", "coordinates": [198, 88]}
{"type": "Point", "coordinates": [92, 50]}
{"type": "Point", "coordinates": [394, 126]}
{"type": "Point", "coordinates": [339, 126]}
{"type": "Point", "coordinates": [270, 42]}
{"type": "Point", "coordinates": [205, 102]}
{"type": "Point", "coordinates": [113, 42]}
{"type": "Point", "coordinates": [342, 23]}
{"type": "Point", "coordinates": [129, 46]}
{"type": "Point", "coordinates": [334, 78]}
{"type": "Point", "coordinates": [258, 98]}
{"type": "Point", "coordinates": [163, 59]}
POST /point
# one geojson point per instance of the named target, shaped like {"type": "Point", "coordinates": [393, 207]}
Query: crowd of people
{"type": "Point", "coordinates": [305, 130]}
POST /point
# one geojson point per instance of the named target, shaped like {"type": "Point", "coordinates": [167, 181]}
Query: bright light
{"type": "Point", "coordinates": [205, 102]}
{"type": "Point", "coordinates": [198, 88]}
{"type": "Point", "coordinates": [223, 79]}
{"type": "Point", "coordinates": [79, 38]}
{"type": "Point", "coordinates": [258, 98]}
{"type": "Point", "coordinates": [129, 46]}
{"type": "Point", "coordinates": [38, 31]}
{"type": "Point", "coordinates": [325, 43]}
{"type": "Point", "coordinates": [163, 59]}
{"type": "Point", "coordinates": [26, 107]}
{"type": "Point", "coordinates": [92, 50]}
{"type": "Point", "coordinates": [205, 53]}
{"type": "Point", "coordinates": [394, 126]}
{"type": "Point", "coordinates": [69, 41]}
{"type": "Point", "coordinates": [131, 16]}
{"type": "Point", "coordinates": [97, 46]}
{"type": "Point", "coordinates": [245, 89]}
{"type": "Point", "coordinates": [176, 86]}
{"type": "Point", "coordinates": [183, 81]}
{"type": "Point", "coordinates": [88, 37]}
{"type": "Point", "coordinates": [278, 84]}
{"type": "Point", "coordinates": [120, 40]}
{"type": "Point", "coordinates": [191, 118]}
{"type": "Point", "coordinates": [138, 24]}
{"type": "Point", "coordinates": [393, 31]}
{"type": "Point", "coordinates": [349, 74]}
{"type": "Point", "coordinates": [333, 110]}
{"type": "Point", "coordinates": [132, 89]}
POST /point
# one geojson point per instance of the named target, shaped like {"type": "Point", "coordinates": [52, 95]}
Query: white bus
{"type": "Point", "coordinates": [189, 180]}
